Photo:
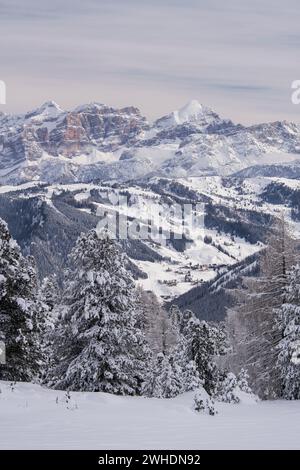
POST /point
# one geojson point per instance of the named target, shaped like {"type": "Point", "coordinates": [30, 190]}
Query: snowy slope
{"type": "Point", "coordinates": [170, 267]}
{"type": "Point", "coordinates": [192, 112]}
{"type": "Point", "coordinates": [33, 417]}
{"type": "Point", "coordinates": [237, 216]}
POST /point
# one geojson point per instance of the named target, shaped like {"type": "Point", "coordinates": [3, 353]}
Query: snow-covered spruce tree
{"type": "Point", "coordinates": [228, 389]}
{"type": "Point", "coordinates": [204, 342]}
{"type": "Point", "coordinates": [171, 377]}
{"type": "Point", "coordinates": [164, 379]}
{"type": "Point", "coordinates": [251, 323]}
{"type": "Point", "coordinates": [174, 372]}
{"type": "Point", "coordinates": [98, 345]}
{"type": "Point", "coordinates": [152, 385]}
{"type": "Point", "coordinates": [190, 379]}
{"type": "Point", "coordinates": [203, 403]}
{"type": "Point", "coordinates": [243, 382]}
{"type": "Point", "coordinates": [51, 293]}
{"type": "Point", "coordinates": [181, 351]}
{"type": "Point", "coordinates": [197, 344]}
{"type": "Point", "coordinates": [288, 321]}
{"type": "Point", "coordinates": [231, 388]}
{"type": "Point", "coordinates": [50, 296]}
{"type": "Point", "coordinates": [21, 312]}
{"type": "Point", "coordinates": [176, 319]}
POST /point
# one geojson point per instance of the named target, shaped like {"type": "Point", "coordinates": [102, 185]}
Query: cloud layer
{"type": "Point", "coordinates": [238, 57]}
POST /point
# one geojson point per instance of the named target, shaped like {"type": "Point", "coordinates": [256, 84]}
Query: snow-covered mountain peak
{"type": "Point", "coordinates": [191, 113]}
{"type": "Point", "coordinates": [94, 106]}
{"type": "Point", "coordinates": [48, 110]}
{"type": "Point", "coordinates": [50, 105]}
{"type": "Point", "coordinates": [101, 108]}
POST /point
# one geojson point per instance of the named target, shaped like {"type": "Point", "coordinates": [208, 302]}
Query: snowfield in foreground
{"type": "Point", "coordinates": [33, 417]}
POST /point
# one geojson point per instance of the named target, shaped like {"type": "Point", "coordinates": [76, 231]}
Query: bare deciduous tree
{"type": "Point", "coordinates": [251, 323]}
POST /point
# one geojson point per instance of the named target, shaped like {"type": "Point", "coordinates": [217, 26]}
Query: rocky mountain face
{"type": "Point", "coordinates": [96, 142]}
{"type": "Point", "coordinates": [26, 141]}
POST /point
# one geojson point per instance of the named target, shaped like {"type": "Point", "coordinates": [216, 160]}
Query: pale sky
{"type": "Point", "coordinates": [237, 56]}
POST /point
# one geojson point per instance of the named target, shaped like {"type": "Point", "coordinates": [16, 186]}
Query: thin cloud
{"type": "Point", "coordinates": [238, 57]}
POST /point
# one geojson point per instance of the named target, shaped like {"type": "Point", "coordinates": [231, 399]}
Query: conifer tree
{"type": "Point", "coordinates": [174, 372]}
{"type": "Point", "coordinates": [98, 345]}
{"type": "Point", "coordinates": [21, 312]}
{"type": "Point", "coordinates": [50, 296]}
{"type": "Point", "coordinates": [164, 379]}
{"type": "Point", "coordinates": [198, 345]}
{"type": "Point", "coordinates": [153, 385]}
{"type": "Point", "coordinates": [189, 374]}
{"type": "Point", "coordinates": [203, 403]}
{"type": "Point", "coordinates": [204, 342]}
{"type": "Point", "coordinates": [51, 293]}
{"type": "Point", "coordinates": [228, 389]}
{"type": "Point", "coordinates": [171, 377]}
{"type": "Point", "coordinates": [243, 381]}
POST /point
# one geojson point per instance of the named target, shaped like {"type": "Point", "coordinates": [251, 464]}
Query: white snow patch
{"type": "Point", "coordinates": [33, 417]}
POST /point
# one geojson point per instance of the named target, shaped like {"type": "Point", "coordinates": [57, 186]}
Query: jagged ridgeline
{"type": "Point", "coordinates": [95, 142]}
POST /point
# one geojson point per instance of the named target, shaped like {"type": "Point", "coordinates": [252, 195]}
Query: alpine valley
{"type": "Point", "coordinates": [58, 167]}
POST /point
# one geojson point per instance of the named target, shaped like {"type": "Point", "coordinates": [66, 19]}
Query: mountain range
{"type": "Point", "coordinates": [96, 142]}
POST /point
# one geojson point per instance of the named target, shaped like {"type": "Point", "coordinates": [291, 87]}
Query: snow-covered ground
{"type": "Point", "coordinates": [33, 417]}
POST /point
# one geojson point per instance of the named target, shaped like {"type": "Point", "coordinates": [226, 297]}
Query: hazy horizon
{"type": "Point", "coordinates": [238, 58]}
